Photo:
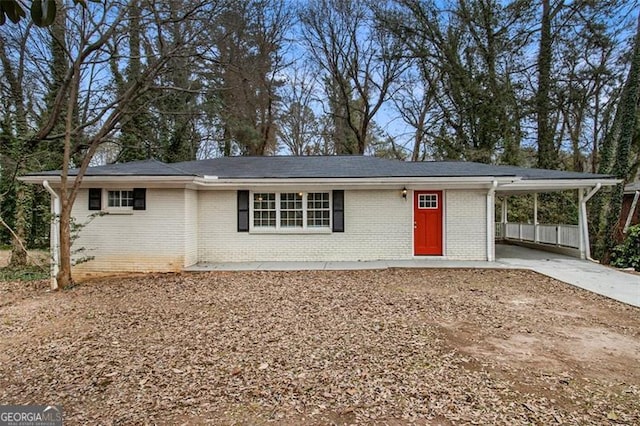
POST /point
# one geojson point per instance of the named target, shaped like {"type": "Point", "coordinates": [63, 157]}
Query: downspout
{"type": "Point", "coordinates": [584, 223]}
{"type": "Point", "coordinates": [490, 222]}
{"type": "Point", "coordinates": [632, 209]}
{"type": "Point", "coordinates": [54, 237]}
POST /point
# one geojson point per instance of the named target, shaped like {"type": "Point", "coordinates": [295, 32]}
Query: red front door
{"type": "Point", "coordinates": [427, 225]}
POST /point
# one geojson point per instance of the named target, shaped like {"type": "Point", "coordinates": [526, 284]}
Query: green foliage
{"type": "Point", "coordinates": [24, 273]}
{"type": "Point", "coordinates": [627, 254]}
{"type": "Point", "coordinates": [43, 12]}
{"type": "Point", "coordinates": [77, 253]}
{"type": "Point", "coordinates": [557, 207]}
{"type": "Point", "coordinates": [621, 142]}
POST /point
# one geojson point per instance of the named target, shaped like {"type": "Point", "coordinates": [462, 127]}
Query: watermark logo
{"type": "Point", "coordinates": [30, 415]}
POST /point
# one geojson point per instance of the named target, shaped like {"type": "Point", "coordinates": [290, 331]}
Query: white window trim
{"type": "Point", "coordinates": [437, 200]}
{"type": "Point", "coordinates": [115, 210]}
{"type": "Point", "coordinates": [305, 229]}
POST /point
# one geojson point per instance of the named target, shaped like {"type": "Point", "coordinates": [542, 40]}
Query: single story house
{"type": "Point", "coordinates": [165, 217]}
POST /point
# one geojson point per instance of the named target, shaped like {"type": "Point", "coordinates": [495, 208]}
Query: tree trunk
{"type": "Point", "coordinates": [628, 110]}
{"type": "Point", "coordinates": [18, 252]}
{"type": "Point", "coordinates": [18, 152]}
{"type": "Point", "coordinates": [64, 273]}
{"type": "Point", "coordinates": [546, 151]}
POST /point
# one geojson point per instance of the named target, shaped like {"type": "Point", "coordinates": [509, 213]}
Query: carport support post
{"type": "Point", "coordinates": [491, 225]}
{"type": "Point", "coordinates": [505, 216]}
{"type": "Point", "coordinates": [585, 250]}
{"type": "Point", "coordinates": [581, 219]}
{"type": "Point", "coordinates": [632, 210]}
{"type": "Point", "coordinates": [535, 217]}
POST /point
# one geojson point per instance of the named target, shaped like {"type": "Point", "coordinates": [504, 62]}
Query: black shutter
{"type": "Point", "coordinates": [243, 211]}
{"type": "Point", "coordinates": [338, 211]}
{"type": "Point", "coordinates": [95, 198]}
{"type": "Point", "coordinates": [139, 198]}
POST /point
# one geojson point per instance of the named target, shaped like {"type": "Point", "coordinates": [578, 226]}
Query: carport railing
{"type": "Point", "coordinates": [558, 235]}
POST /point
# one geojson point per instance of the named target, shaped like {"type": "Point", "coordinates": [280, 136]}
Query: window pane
{"type": "Point", "coordinates": [264, 210]}
{"type": "Point", "coordinates": [428, 201]}
{"type": "Point", "coordinates": [126, 199]}
{"type": "Point", "coordinates": [113, 199]}
{"type": "Point", "coordinates": [318, 213]}
{"type": "Point", "coordinates": [119, 198]}
{"type": "Point", "coordinates": [291, 210]}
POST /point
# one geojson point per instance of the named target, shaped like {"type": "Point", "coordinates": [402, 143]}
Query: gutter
{"type": "Point", "coordinates": [349, 183]}
{"type": "Point", "coordinates": [104, 179]}
{"type": "Point", "coordinates": [490, 222]}
{"type": "Point", "coordinates": [54, 236]}
{"type": "Point", "coordinates": [555, 184]}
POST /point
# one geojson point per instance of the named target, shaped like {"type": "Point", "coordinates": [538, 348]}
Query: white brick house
{"type": "Point", "coordinates": [165, 217]}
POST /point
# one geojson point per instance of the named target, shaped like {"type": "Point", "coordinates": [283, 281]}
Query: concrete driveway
{"type": "Point", "coordinates": [610, 282]}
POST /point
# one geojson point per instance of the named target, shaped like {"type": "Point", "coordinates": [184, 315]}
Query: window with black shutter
{"type": "Point", "coordinates": [291, 211]}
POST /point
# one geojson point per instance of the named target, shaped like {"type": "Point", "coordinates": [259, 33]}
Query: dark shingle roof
{"type": "Point", "coordinates": [284, 167]}
{"type": "Point", "coordinates": [134, 168]}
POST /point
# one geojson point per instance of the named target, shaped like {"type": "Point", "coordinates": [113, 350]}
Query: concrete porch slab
{"type": "Point", "coordinates": [340, 266]}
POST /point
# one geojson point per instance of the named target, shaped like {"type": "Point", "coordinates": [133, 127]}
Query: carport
{"type": "Point", "coordinates": [567, 239]}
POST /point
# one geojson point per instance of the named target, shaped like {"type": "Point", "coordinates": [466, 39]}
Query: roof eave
{"type": "Point", "coordinates": [56, 180]}
{"type": "Point", "coordinates": [505, 183]}
{"type": "Point", "coordinates": [213, 182]}
{"type": "Point", "coordinates": [551, 185]}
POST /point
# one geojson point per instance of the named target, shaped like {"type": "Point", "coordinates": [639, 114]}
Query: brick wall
{"type": "Point", "coordinates": [377, 226]}
{"type": "Point", "coordinates": [191, 227]}
{"type": "Point", "coordinates": [182, 227]}
{"type": "Point", "coordinates": [139, 241]}
{"type": "Point", "coordinates": [466, 224]}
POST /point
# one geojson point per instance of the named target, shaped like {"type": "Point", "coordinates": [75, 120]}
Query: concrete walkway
{"type": "Point", "coordinates": [618, 285]}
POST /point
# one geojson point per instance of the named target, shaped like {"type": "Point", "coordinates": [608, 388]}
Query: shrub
{"type": "Point", "coordinates": [627, 254]}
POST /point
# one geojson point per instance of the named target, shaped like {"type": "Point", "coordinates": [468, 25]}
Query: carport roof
{"type": "Point", "coordinates": [322, 167]}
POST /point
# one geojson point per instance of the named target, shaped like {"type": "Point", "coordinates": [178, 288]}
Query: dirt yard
{"type": "Point", "coordinates": [384, 347]}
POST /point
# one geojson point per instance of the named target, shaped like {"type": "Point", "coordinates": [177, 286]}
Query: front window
{"type": "Point", "coordinates": [264, 210]}
{"type": "Point", "coordinates": [120, 198]}
{"type": "Point", "coordinates": [291, 210]}
{"type": "Point", "coordinates": [318, 212]}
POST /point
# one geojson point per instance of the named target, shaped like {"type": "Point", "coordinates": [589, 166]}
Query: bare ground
{"type": "Point", "coordinates": [384, 347]}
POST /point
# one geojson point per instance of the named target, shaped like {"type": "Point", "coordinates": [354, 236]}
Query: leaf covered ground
{"type": "Point", "coordinates": [318, 347]}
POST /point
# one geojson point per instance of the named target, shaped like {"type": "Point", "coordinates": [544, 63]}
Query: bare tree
{"type": "Point", "coordinates": [464, 56]}
{"type": "Point", "coordinates": [299, 128]}
{"type": "Point", "coordinates": [414, 99]}
{"type": "Point", "coordinates": [105, 109]}
{"type": "Point", "coordinates": [249, 39]}
{"type": "Point", "coordinates": [359, 62]}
